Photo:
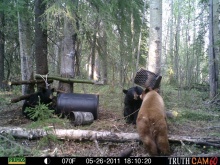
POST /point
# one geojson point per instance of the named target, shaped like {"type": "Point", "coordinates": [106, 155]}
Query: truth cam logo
{"type": "Point", "coordinates": [193, 161]}
{"type": "Point", "coordinates": [204, 161]}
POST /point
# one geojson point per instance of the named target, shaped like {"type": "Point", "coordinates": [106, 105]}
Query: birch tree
{"type": "Point", "coordinates": [155, 38]}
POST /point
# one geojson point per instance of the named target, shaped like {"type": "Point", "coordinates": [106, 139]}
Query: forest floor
{"type": "Point", "coordinates": [196, 118]}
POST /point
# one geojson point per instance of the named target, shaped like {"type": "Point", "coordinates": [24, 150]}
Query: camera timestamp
{"type": "Point", "coordinates": [103, 160]}
{"type": "Point", "coordinates": [137, 160]}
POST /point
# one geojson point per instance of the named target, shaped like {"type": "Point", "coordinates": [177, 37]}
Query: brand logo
{"type": "Point", "coordinates": [205, 161]}
{"type": "Point", "coordinates": [193, 161]}
{"type": "Point", "coordinates": [184, 161]}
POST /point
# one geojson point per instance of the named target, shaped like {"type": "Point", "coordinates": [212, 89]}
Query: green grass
{"type": "Point", "coordinates": [110, 98]}
{"type": "Point", "coordinates": [189, 104]}
{"type": "Point", "coordinates": [197, 115]}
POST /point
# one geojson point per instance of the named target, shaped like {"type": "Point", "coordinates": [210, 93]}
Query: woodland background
{"type": "Point", "coordinates": [108, 41]}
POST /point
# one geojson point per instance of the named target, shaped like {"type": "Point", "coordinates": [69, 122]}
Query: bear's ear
{"type": "Point", "coordinates": [157, 90]}
{"type": "Point", "coordinates": [147, 90]}
{"type": "Point", "coordinates": [157, 82]}
{"type": "Point", "coordinates": [125, 91]}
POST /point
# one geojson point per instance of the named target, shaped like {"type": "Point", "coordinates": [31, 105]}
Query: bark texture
{"type": "Point", "coordinates": [40, 40]}
{"type": "Point", "coordinates": [155, 40]}
{"type": "Point", "coordinates": [2, 46]}
{"type": "Point", "coordinates": [25, 49]}
{"type": "Point", "coordinates": [72, 134]}
{"type": "Point", "coordinates": [68, 55]}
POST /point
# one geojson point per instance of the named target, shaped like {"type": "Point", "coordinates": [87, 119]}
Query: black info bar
{"type": "Point", "coordinates": [110, 160]}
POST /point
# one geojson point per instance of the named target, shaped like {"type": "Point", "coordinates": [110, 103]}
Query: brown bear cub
{"type": "Point", "coordinates": [151, 124]}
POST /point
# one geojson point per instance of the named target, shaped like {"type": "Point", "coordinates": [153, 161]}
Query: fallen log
{"type": "Point", "coordinates": [38, 76]}
{"type": "Point", "coordinates": [72, 134]}
{"type": "Point", "coordinates": [23, 97]}
{"type": "Point", "coordinates": [10, 83]}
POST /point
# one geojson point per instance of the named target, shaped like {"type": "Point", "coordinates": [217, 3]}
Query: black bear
{"type": "Point", "coordinates": [132, 103]}
{"type": "Point", "coordinates": [44, 95]}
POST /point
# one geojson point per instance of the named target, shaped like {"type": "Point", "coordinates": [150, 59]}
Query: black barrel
{"type": "Point", "coordinates": [68, 102]}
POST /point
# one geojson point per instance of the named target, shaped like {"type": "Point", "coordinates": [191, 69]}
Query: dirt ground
{"type": "Point", "coordinates": [109, 120]}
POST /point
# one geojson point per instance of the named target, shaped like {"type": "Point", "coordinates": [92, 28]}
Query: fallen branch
{"type": "Point", "coordinates": [197, 140]}
{"type": "Point", "coordinates": [65, 79]}
{"type": "Point", "coordinates": [10, 83]}
{"type": "Point", "coordinates": [72, 134]}
{"type": "Point", "coordinates": [23, 97]}
{"type": "Point", "coordinates": [98, 148]}
{"type": "Point", "coordinates": [185, 147]}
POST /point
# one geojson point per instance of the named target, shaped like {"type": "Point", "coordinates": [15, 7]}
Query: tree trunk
{"type": "Point", "coordinates": [105, 59]}
{"type": "Point", "coordinates": [217, 34]}
{"type": "Point", "coordinates": [2, 46]}
{"type": "Point", "coordinates": [213, 69]}
{"type": "Point", "coordinates": [177, 42]}
{"type": "Point", "coordinates": [77, 58]}
{"type": "Point", "coordinates": [68, 55]}
{"type": "Point", "coordinates": [103, 54]}
{"type": "Point", "coordinates": [121, 66]}
{"type": "Point", "coordinates": [25, 49]}
{"type": "Point", "coordinates": [187, 56]}
{"type": "Point", "coordinates": [92, 69]}
{"type": "Point", "coordinates": [57, 53]}
{"type": "Point", "coordinates": [171, 48]}
{"type": "Point", "coordinates": [40, 40]}
{"type": "Point", "coordinates": [216, 37]}
{"type": "Point", "coordinates": [155, 38]}
{"type": "Point", "coordinates": [78, 45]}
{"type": "Point", "coordinates": [140, 36]}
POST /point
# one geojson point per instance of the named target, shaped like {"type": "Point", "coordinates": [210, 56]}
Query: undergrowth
{"type": "Point", "coordinates": [39, 112]}
{"type": "Point", "coordinates": [8, 147]}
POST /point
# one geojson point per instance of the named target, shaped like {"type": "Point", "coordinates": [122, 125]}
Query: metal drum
{"type": "Point", "coordinates": [68, 102]}
{"type": "Point", "coordinates": [81, 118]}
